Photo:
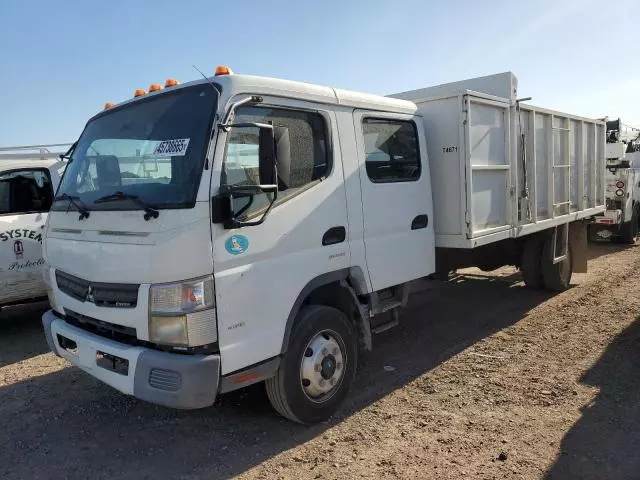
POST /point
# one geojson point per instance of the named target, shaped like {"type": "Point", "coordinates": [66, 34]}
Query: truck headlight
{"type": "Point", "coordinates": [183, 314]}
{"type": "Point", "coordinates": [169, 330]}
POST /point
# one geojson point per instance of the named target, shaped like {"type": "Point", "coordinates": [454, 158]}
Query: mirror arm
{"type": "Point", "coordinates": [251, 189]}
{"type": "Point", "coordinates": [231, 189]}
{"type": "Point", "coordinates": [225, 125]}
{"type": "Point", "coordinates": [228, 126]}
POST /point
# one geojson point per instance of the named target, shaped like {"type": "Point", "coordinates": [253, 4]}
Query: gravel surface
{"type": "Point", "coordinates": [484, 379]}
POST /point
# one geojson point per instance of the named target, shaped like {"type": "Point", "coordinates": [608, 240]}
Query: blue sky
{"type": "Point", "coordinates": [60, 61]}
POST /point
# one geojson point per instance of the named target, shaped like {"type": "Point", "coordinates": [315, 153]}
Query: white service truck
{"type": "Point", "coordinates": [29, 176]}
{"type": "Point", "coordinates": [241, 229]}
{"type": "Point", "coordinates": [621, 219]}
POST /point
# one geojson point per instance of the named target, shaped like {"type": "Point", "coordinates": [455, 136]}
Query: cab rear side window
{"type": "Point", "coordinates": [391, 150]}
{"type": "Point", "coordinates": [25, 191]}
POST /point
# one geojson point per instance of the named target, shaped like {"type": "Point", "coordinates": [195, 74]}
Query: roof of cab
{"type": "Point", "coordinates": [250, 84]}
{"type": "Point", "coordinates": [314, 93]}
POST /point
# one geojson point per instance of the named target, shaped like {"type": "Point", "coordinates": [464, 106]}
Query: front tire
{"type": "Point", "coordinates": [318, 368]}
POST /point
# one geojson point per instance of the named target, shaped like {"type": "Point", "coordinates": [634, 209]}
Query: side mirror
{"type": "Point", "coordinates": [267, 156]}
{"type": "Point", "coordinates": [274, 171]}
{"type": "Point", "coordinates": [275, 157]}
{"type": "Point", "coordinates": [283, 157]}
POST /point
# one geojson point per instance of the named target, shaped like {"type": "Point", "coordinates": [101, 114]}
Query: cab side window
{"type": "Point", "coordinates": [309, 154]}
{"type": "Point", "coordinates": [391, 150]}
{"type": "Point", "coordinates": [25, 191]}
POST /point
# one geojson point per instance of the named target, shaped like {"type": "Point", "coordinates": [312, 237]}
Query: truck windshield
{"type": "Point", "coordinates": [152, 149]}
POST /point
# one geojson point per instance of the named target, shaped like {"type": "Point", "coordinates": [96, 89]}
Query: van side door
{"type": "Point", "coordinates": [26, 195]}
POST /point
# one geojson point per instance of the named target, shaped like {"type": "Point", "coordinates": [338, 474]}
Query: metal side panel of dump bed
{"type": "Point", "coordinates": [486, 187]}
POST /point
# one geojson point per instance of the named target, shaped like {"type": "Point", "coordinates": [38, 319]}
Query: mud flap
{"type": "Point", "coordinates": [579, 246]}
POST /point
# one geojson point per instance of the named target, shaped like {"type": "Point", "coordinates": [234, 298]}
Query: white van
{"type": "Point", "coordinates": [29, 177]}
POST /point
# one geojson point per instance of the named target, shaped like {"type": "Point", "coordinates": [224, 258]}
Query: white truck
{"type": "Point", "coordinates": [241, 229]}
{"type": "Point", "coordinates": [621, 219]}
{"type": "Point", "coordinates": [29, 176]}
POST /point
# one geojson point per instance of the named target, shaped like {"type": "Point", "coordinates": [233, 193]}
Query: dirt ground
{"type": "Point", "coordinates": [484, 379]}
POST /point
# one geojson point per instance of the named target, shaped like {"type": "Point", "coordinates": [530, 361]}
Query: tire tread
{"type": "Point", "coordinates": [275, 386]}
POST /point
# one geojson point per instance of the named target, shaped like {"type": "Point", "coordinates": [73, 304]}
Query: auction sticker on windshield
{"type": "Point", "coordinates": [175, 148]}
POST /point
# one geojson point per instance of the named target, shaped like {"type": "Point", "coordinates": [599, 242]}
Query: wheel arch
{"type": "Point", "coordinates": [338, 289]}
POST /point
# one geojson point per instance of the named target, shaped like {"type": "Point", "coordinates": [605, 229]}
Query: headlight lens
{"type": "Point", "coordinates": [182, 314]}
{"type": "Point", "coordinates": [184, 297]}
{"type": "Point", "coordinates": [169, 330]}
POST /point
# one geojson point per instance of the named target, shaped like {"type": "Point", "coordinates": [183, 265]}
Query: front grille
{"type": "Point", "coordinates": [100, 327]}
{"type": "Point", "coordinates": [127, 335]}
{"type": "Point", "coordinates": [112, 295]}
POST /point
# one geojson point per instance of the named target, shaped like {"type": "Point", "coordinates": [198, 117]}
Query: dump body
{"type": "Point", "coordinates": [486, 186]}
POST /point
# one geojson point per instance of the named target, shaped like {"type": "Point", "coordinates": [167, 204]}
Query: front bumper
{"type": "Point", "coordinates": [173, 380]}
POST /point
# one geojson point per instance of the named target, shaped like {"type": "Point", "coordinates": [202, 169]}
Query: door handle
{"type": "Point", "coordinates": [334, 235]}
{"type": "Point", "coordinates": [421, 221]}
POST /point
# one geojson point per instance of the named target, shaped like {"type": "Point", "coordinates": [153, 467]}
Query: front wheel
{"type": "Point", "coordinates": [318, 368]}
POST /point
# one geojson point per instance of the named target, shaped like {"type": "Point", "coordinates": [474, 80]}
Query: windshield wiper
{"type": "Point", "coordinates": [68, 153]}
{"type": "Point", "coordinates": [77, 203]}
{"type": "Point", "coordinates": [150, 212]}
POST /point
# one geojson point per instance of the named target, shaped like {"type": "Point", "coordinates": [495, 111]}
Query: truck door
{"type": "Point", "coordinates": [261, 270]}
{"type": "Point", "coordinates": [396, 197]}
{"type": "Point", "coordinates": [25, 198]}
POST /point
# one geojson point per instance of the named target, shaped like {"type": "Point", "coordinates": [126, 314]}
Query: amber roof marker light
{"type": "Point", "coordinates": [223, 70]}
{"type": "Point", "coordinates": [171, 82]}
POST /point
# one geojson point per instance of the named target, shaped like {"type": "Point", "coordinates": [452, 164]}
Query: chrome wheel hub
{"type": "Point", "coordinates": [322, 366]}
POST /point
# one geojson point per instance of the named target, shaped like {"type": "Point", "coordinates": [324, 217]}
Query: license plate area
{"type": "Point", "coordinates": [68, 344]}
{"type": "Point", "coordinates": [112, 363]}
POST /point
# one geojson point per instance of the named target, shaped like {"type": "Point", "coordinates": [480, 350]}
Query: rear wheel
{"type": "Point", "coordinates": [531, 262]}
{"type": "Point", "coordinates": [555, 276]}
{"type": "Point", "coordinates": [317, 371]}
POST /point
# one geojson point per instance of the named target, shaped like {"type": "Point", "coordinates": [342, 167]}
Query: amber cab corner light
{"type": "Point", "coordinates": [223, 70]}
{"type": "Point", "coordinates": [171, 82]}
{"type": "Point", "coordinates": [155, 87]}
{"type": "Point", "coordinates": [109, 105]}
{"type": "Point", "coordinates": [140, 92]}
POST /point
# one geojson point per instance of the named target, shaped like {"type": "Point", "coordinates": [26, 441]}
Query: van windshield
{"type": "Point", "coordinates": [152, 149]}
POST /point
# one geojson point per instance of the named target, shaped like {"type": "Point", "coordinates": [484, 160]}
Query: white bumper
{"type": "Point", "coordinates": [88, 346]}
{"type": "Point", "coordinates": [173, 380]}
